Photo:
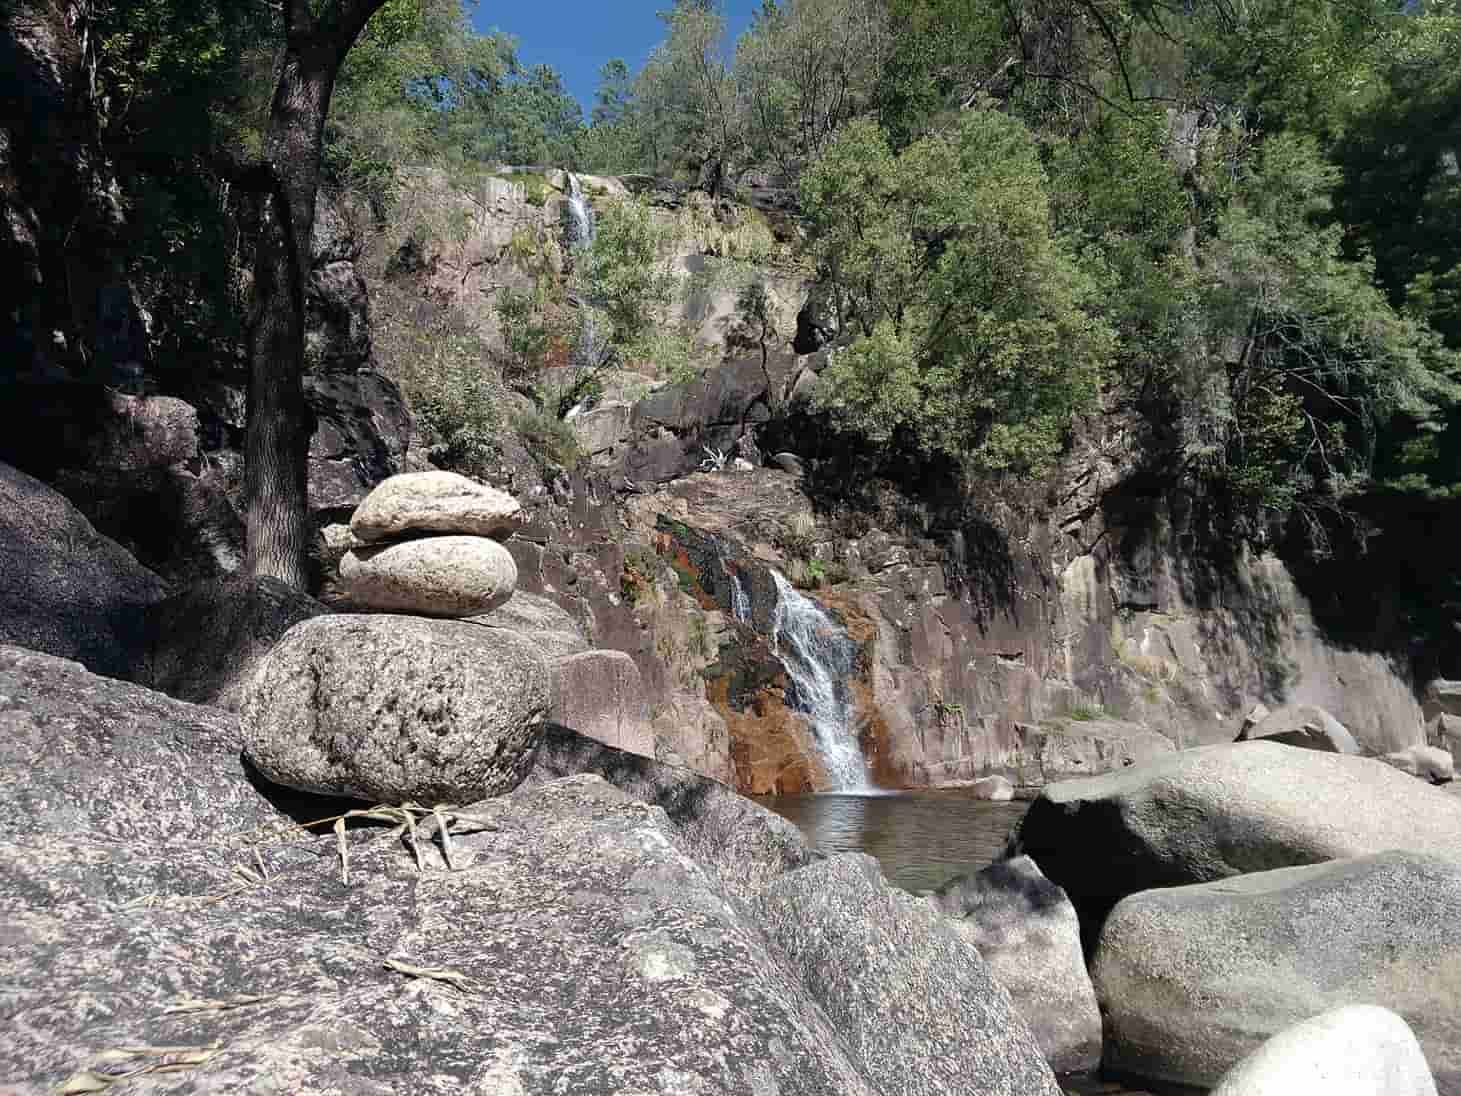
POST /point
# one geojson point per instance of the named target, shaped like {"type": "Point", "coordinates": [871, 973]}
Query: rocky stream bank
{"type": "Point", "coordinates": [405, 864]}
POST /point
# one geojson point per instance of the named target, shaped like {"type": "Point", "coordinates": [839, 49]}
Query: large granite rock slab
{"type": "Point", "coordinates": [1225, 810]}
{"type": "Point", "coordinates": [1304, 725]}
{"type": "Point", "coordinates": [434, 576]}
{"type": "Point", "coordinates": [1191, 979]}
{"type": "Point", "coordinates": [742, 842]}
{"type": "Point", "coordinates": [572, 948]}
{"type": "Point", "coordinates": [64, 588]}
{"type": "Point", "coordinates": [599, 693]}
{"type": "Point", "coordinates": [396, 709]}
{"type": "Point", "coordinates": [434, 502]}
{"type": "Point", "coordinates": [542, 620]}
{"type": "Point", "coordinates": [1353, 1050]}
{"type": "Point", "coordinates": [918, 1008]}
{"type": "Point", "coordinates": [113, 793]}
{"type": "Point", "coordinates": [207, 640]}
{"type": "Point", "coordinates": [1027, 931]}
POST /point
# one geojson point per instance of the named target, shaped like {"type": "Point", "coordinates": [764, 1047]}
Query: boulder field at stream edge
{"type": "Point", "coordinates": [166, 906]}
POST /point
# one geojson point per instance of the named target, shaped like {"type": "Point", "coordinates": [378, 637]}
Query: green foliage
{"type": "Point", "coordinates": [975, 340]}
{"type": "Point", "coordinates": [804, 69]}
{"type": "Point", "coordinates": [637, 581]}
{"type": "Point", "coordinates": [533, 328]}
{"type": "Point", "coordinates": [550, 441]}
{"type": "Point", "coordinates": [439, 362]}
{"type": "Point", "coordinates": [625, 275]}
{"type": "Point", "coordinates": [1324, 362]}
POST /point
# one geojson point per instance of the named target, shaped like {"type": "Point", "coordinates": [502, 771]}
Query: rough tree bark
{"type": "Point", "coordinates": [277, 435]}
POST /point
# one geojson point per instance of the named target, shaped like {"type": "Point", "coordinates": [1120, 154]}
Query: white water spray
{"type": "Point", "coordinates": [740, 600]}
{"type": "Point", "coordinates": [818, 655]}
{"type": "Point", "coordinates": [581, 226]}
{"type": "Point", "coordinates": [582, 229]}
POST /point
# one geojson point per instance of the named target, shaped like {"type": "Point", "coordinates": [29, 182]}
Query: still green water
{"type": "Point", "coordinates": [921, 838]}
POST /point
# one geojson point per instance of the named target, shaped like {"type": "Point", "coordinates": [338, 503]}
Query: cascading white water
{"type": "Point", "coordinates": [818, 655]}
{"type": "Point", "coordinates": [580, 216]}
{"type": "Point", "coordinates": [740, 600]}
{"type": "Point", "coordinates": [581, 231]}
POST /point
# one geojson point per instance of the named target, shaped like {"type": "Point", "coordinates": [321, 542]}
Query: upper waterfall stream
{"type": "Point", "coordinates": [818, 655]}
{"type": "Point", "coordinates": [582, 228]}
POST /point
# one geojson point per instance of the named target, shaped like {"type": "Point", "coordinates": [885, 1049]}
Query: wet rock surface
{"type": "Point", "coordinates": [397, 709]}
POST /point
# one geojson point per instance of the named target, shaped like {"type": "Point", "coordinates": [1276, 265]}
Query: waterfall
{"type": "Point", "coordinates": [740, 600]}
{"type": "Point", "coordinates": [818, 656]}
{"type": "Point", "coordinates": [580, 217]}
{"type": "Point", "coordinates": [581, 231]}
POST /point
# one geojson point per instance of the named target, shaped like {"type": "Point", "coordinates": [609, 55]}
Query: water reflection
{"type": "Point", "coordinates": [921, 838]}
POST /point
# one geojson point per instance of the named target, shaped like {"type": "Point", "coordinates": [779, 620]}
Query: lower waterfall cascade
{"type": "Point", "coordinates": [818, 655]}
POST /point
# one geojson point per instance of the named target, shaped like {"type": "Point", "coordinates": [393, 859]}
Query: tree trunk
{"type": "Point", "coordinates": [277, 435]}
{"type": "Point", "coordinates": [276, 445]}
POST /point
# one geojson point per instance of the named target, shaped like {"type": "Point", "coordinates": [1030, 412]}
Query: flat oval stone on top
{"type": "Point", "coordinates": [434, 502]}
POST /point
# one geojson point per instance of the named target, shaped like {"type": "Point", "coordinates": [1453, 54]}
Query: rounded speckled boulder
{"type": "Point", "coordinates": [397, 709]}
{"type": "Point", "coordinates": [434, 576]}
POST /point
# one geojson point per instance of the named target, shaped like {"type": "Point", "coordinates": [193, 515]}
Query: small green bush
{"type": "Point", "coordinates": [549, 440]}
{"type": "Point", "coordinates": [637, 582]}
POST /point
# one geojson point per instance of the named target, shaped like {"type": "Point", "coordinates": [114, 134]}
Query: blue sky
{"type": "Point", "coordinates": [577, 36]}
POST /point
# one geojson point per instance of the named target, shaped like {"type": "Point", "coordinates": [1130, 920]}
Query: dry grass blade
{"type": "Point", "coordinates": [223, 1004]}
{"type": "Point", "coordinates": [453, 978]}
{"type": "Point", "coordinates": [344, 850]}
{"type": "Point", "coordinates": [126, 1063]}
{"type": "Point", "coordinates": [444, 829]}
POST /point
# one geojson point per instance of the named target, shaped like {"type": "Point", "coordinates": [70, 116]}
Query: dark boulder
{"type": "Point", "coordinates": [64, 588]}
{"type": "Point", "coordinates": [207, 640]}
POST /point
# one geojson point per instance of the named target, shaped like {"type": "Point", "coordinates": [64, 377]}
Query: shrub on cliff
{"type": "Point", "coordinates": [973, 337]}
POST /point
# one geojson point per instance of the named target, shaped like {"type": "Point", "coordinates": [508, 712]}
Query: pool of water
{"type": "Point", "coordinates": [921, 838]}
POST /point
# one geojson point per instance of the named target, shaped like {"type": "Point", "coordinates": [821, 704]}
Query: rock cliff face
{"type": "Point", "coordinates": [1077, 627]}
{"type": "Point", "coordinates": [1064, 629]}
{"type": "Point", "coordinates": [1076, 635]}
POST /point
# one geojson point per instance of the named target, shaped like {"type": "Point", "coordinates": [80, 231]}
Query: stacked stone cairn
{"type": "Point", "coordinates": [428, 543]}
{"type": "Point", "coordinates": [389, 705]}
